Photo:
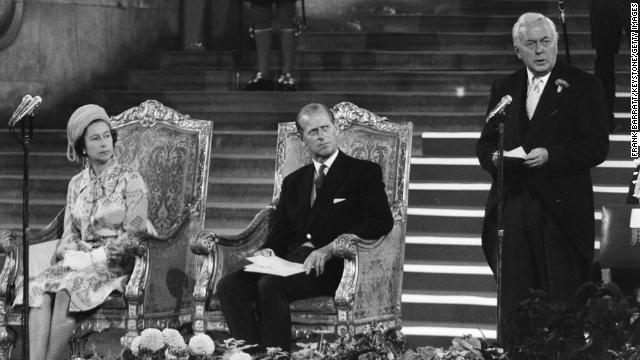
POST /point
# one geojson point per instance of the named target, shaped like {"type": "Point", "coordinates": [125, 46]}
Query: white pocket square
{"type": "Point", "coordinates": [338, 200]}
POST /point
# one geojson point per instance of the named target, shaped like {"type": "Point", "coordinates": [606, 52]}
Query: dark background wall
{"type": "Point", "coordinates": [63, 47]}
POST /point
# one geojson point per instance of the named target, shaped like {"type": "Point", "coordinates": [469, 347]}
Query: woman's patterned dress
{"type": "Point", "coordinates": [102, 210]}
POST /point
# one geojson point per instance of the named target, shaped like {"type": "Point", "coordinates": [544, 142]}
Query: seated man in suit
{"type": "Point", "coordinates": [333, 195]}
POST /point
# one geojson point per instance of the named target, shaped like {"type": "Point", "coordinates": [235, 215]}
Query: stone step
{"type": "Point", "coordinates": [452, 247]}
{"type": "Point", "coordinates": [260, 142]}
{"type": "Point", "coordinates": [56, 163]}
{"type": "Point", "coordinates": [423, 169]}
{"type": "Point", "coordinates": [464, 248]}
{"type": "Point", "coordinates": [602, 175]}
{"type": "Point", "coordinates": [50, 187]}
{"type": "Point", "coordinates": [437, 312]}
{"type": "Point", "coordinates": [515, 7]}
{"type": "Point", "coordinates": [191, 100]}
{"type": "Point", "coordinates": [403, 23]}
{"type": "Point", "coordinates": [375, 60]}
{"type": "Point", "coordinates": [455, 82]}
{"type": "Point", "coordinates": [259, 191]}
{"type": "Point", "coordinates": [440, 281]}
{"type": "Point", "coordinates": [422, 121]}
{"type": "Point", "coordinates": [440, 334]}
{"type": "Point", "coordinates": [442, 219]}
{"type": "Point", "coordinates": [460, 197]}
{"type": "Point", "coordinates": [502, 7]}
{"type": "Point", "coordinates": [234, 214]}
{"type": "Point", "coordinates": [438, 144]}
{"type": "Point", "coordinates": [458, 41]}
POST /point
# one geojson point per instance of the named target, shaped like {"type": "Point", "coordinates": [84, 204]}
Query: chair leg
{"type": "Point", "coordinates": [77, 345]}
{"type": "Point", "coordinates": [7, 338]}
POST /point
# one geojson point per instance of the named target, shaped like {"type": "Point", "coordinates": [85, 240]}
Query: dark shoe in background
{"type": "Point", "coordinates": [258, 84]}
{"type": "Point", "coordinates": [286, 82]}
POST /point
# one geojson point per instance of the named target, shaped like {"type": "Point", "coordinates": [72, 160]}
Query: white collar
{"type": "Point", "coordinates": [531, 75]}
{"type": "Point", "coordinates": [327, 163]}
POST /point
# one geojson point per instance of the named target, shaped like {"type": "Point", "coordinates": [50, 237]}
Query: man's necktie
{"type": "Point", "coordinates": [320, 177]}
{"type": "Point", "coordinates": [533, 95]}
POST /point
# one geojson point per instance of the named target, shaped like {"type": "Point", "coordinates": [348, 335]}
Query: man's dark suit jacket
{"type": "Point", "coordinates": [572, 124]}
{"type": "Point", "coordinates": [352, 200]}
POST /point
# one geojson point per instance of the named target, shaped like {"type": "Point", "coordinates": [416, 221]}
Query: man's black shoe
{"type": "Point", "coordinates": [286, 82]}
{"type": "Point", "coordinates": [258, 84]}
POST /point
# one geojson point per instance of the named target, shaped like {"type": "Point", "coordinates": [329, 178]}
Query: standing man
{"type": "Point", "coordinates": [333, 195]}
{"type": "Point", "coordinates": [609, 18]}
{"type": "Point", "coordinates": [559, 117]}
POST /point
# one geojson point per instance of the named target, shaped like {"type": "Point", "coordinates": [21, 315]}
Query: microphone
{"type": "Point", "coordinates": [506, 100]}
{"type": "Point", "coordinates": [29, 109]}
{"type": "Point", "coordinates": [25, 101]}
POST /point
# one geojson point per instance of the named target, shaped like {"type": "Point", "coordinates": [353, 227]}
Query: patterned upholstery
{"type": "Point", "coordinates": [171, 152]}
{"type": "Point", "coordinates": [368, 264]}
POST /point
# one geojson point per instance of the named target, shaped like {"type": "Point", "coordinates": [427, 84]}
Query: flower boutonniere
{"type": "Point", "coordinates": [561, 84]}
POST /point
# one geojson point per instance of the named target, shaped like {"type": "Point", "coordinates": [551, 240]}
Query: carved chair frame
{"type": "Point", "coordinates": [222, 253]}
{"type": "Point", "coordinates": [132, 318]}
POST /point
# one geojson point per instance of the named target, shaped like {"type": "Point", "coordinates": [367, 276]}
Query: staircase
{"type": "Point", "coordinates": [433, 69]}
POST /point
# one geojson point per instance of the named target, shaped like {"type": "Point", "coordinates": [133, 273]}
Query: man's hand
{"type": "Point", "coordinates": [536, 158]}
{"type": "Point", "coordinates": [317, 259]}
{"type": "Point", "coordinates": [494, 159]}
{"type": "Point", "coordinates": [264, 252]}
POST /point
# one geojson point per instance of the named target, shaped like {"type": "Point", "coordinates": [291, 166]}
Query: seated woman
{"type": "Point", "coordinates": [106, 206]}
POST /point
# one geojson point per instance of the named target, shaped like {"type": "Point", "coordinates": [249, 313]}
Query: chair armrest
{"type": "Point", "coordinates": [252, 234]}
{"type": "Point", "coordinates": [369, 266]}
{"type": "Point", "coordinates": [224, 254]}
{"type": "Point", "coordinates": [8, 241]}
{"type": "Point", "coordinates": [134, 290]}
{"type": "Point", "coordinates": [8, 246]}
{"type": "Point", "coordinates": [52, 231]}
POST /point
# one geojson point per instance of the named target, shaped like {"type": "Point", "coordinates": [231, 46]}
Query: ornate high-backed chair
{"type": "Point", "coordinates": [371, 285]}
{"type": "Point", "coordinates": [172, 153]}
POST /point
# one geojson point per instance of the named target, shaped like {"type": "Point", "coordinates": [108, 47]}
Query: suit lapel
{"type": "Point", "coordinates": [518, 115]}
{"type": "Point", "coordinates": [548, 103]}
{"type": "Point", "coordinates": [548, 100]}
{"type": "Point", "coordinates": [335, 176]}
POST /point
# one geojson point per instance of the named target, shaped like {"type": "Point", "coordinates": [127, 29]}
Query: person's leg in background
{"type": "Point", "coordinates": [286, 11]}
{"type": "Point", "coordinates": [606, 33]}
{"type": "Point", "coordinates": [262, 14]}
{"type": "Point", "coordinates": [192, 27]}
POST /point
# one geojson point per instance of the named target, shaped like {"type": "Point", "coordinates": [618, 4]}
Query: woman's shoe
{"type": "Point", "coordinates": [258, 84]}
{"type": "Point", "coordinates": [286, 82]}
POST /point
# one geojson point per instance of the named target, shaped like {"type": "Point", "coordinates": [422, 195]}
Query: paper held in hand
{"type": "Point", "coordinates": [273, 265]}
{"type": "Point", "coordinates": [517, 153]}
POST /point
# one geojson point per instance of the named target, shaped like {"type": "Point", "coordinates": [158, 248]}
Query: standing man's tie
{"type": "Point", "coordinates": [533, 95]}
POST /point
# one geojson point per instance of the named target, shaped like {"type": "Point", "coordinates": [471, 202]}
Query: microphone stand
{"type": "Point", "coordinates": [500, 232]}
{"type": "Point", "coordinates": [564, 30]}
{"type": "Point", "coordinates": [500, 219]}
{"type": "Point", "coordinates": [26, 132]}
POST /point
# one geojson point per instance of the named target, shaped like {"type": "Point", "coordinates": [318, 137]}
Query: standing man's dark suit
{"type": "Point", "coordinates": [351, 200]}
{"type": "Point", "coordinates": [548, 208]}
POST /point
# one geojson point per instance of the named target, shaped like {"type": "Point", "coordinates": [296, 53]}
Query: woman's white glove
{"type": "Point", "coordinates": [77, 260]}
